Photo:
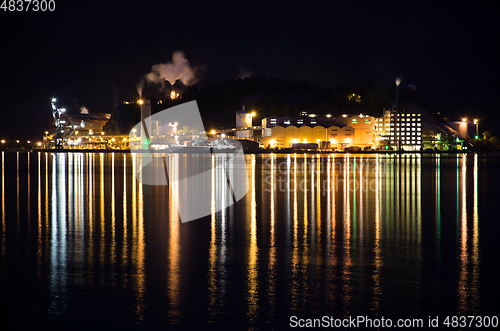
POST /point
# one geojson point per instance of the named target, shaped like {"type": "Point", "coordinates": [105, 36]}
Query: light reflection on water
{"type": "Point", "coordinates": [316, 234]}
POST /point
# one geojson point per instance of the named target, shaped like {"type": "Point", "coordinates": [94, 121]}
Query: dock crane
{"type": "Point", "coordinates": [65, 125]}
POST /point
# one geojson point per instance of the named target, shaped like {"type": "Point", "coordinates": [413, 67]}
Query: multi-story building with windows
{"type": "Point", "coordinates": [400, 130]}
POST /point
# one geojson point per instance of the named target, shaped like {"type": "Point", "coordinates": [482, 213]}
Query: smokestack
{"type": "Point", "coordinates": [146, 124]}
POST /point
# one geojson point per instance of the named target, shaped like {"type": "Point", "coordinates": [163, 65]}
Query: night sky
{"type": "Point", "coordinates": [94, 54]}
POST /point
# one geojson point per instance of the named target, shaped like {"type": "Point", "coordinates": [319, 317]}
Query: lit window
{"type": "Point", "coordinates": [418, 129]}
{"type": "Point", "coordinates": [419, 124]}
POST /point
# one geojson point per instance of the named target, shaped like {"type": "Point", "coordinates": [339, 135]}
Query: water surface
{"type": "Point", "coordinates": [85, 245]}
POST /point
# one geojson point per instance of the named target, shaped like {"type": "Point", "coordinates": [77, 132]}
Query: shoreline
{"type": "Point", "coordinates": [265, 151]}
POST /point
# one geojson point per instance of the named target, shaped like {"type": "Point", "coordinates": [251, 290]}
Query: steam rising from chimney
{"type": "Point", "coordinates": [140, 87]}
{"type": "Point", "coordinates": [244, 73]}
{"type": "Point", "coordinates": [178, 69]}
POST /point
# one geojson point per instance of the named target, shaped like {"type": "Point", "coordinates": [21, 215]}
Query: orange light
{"type": "Point", "coordinates": [174, 95]}
{"type": "Point", "coordinates": [140, 101]}
{"type": "Point", "coordinates": [464, 120]}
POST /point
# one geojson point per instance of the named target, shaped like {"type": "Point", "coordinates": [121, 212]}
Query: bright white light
{"type": "Point", "coordinates": [398, 81]}
{"type": "Point", "coordinates": [54, 100]}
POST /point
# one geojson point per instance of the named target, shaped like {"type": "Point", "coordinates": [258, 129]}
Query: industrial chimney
{"type": "Point", "coordinates": [146, 123]}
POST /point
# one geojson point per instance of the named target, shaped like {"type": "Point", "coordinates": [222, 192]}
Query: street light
{"type": "Point", "coordinates": [476, 121]}
{"type": "Point", "coordinates": [398, 81]}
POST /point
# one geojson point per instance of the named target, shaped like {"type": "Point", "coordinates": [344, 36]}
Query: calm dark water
{"type": "Point", "coordinates": [84, 245]}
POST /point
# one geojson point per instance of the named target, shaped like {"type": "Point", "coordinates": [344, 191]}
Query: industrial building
{"type": "Point", "coordinates": [398, 130]}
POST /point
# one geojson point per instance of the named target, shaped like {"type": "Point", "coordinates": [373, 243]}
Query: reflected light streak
{"type": "Point", "coordinates": [39, 227]}
{"type": "Point", "coordinates": [346, 275]}
{"type": "Point", "coordinates": [17, 188]}
{"type": "Point", "coordinates": [438, 200]}
{"type": "Point", "coordinates": [173, 276]}
{"type": "Point", "coordinates": [253, 285]}
{"type": "Point", "coordinates": [29, 194]}
{"type": "Point", "coordinates": [377, 293]}
{"type": "Point", "coordinates": [305, 247]}
{"type": "Point", "coordinates": [58, 244]}
{"type": "Point", "coordinates": [318, 212]}
{"type": "Point", "coordinates": [475, 242]}
{"type": "Point", "coordinates": [102, 221]}
{"type": "Point", "coordinates": [140, 256]}
{"type": "Point", "coordinates": [3, 207]}
{"type": "Point", "coordinates": [295, 250]}
{"type": "Point", "coordinates": [462, 282]}
{"type": "Point", "coordinates": [113, 217]}
{"type": "Point", "coordinates": [125, 214]}
{"type": "Point", "coordinates": [91, 195]}
{"type": "Point", "coordinates": [212, 253]}
{"type": "Point", "coordinates": [271, 292]}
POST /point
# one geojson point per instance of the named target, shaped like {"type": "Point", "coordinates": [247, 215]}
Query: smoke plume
{"type": "Point", "coordinates": [178, 69]}
{"type": "Point", "coordinates": [244, 73]}
{"type": "Point", "coordinates": [140, 87]}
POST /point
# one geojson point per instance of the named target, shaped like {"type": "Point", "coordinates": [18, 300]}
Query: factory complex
{"type": "Point", "coordinates": [394, 130]}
